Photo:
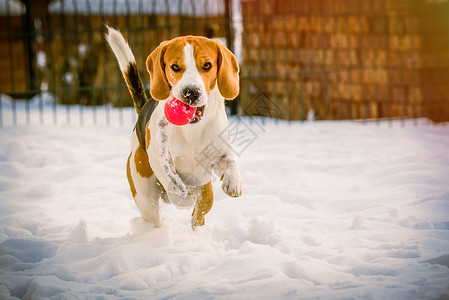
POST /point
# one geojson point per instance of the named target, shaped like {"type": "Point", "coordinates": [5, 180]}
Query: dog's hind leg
{"type": "Point", "coordinates": [143, 183]}
{"type": "Point", "coordinates": [202, 205]}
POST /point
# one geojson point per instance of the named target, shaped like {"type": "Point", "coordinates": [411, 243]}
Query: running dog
{"type": "Point", "coordinates": [201, 73]}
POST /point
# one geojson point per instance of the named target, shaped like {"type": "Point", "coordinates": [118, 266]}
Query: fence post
{"type": "Point", "coordinates": [29, 39]}
{"type": "Point", "coordinates": [229, 30]}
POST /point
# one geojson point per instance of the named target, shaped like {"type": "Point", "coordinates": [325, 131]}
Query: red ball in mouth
{"type": "Point", "coordinates": [177, 112]}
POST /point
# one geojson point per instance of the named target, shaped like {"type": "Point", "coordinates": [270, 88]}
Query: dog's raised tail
{"type": "Point", "coordinates": [128, 66]}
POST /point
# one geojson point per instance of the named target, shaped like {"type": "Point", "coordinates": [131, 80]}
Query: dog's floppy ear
{"type": "Point", "coordinates": [159, 88]}
{"type": "Point", "coordinates": [228, 72]}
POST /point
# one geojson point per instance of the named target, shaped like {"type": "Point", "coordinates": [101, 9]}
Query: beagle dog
{"type": "Point", "coordinates": [201, 73]}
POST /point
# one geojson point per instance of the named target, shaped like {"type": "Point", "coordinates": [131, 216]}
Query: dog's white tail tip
{"type": "Point", "coordinates": [120, 48]}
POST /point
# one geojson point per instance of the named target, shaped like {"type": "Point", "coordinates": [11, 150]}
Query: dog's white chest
{"type": "Point", "coordinates": [193, 157]}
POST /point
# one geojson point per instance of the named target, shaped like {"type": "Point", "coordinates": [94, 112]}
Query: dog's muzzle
{"type": "Point", "coordinates": [192, 95]}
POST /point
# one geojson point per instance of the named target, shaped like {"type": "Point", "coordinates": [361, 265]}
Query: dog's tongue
{"type": "Point", "coordinates": [177, 112]}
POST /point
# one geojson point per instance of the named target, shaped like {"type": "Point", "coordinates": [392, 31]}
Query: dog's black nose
{"type": "Point", "coordinates": [191, 95]}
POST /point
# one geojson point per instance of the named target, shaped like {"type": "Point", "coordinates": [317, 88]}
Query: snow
{"type": "Point", "coordinates": [11, 8]}
{"type": "Point", "coordinates": [198, 8]}
{"type": "Point", "coordinates": [331, 210]}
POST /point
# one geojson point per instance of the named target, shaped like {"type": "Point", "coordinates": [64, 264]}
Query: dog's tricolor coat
{"type": "Point", "coordinates": [201, 73]}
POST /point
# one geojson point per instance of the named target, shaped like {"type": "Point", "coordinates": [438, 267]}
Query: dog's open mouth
{"type": "Point", "coordinates": [198, 114]}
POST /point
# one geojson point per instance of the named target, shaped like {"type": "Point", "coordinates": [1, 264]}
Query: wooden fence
{"type": "Point", "coordinates": [346, 59]}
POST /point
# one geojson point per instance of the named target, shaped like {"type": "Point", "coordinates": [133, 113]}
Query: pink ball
{"type": "Point", "coordinates": [177, 112]}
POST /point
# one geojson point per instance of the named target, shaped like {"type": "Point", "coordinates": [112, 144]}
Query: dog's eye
{"type": "Point", "coordinates": [207, 66]}
{"type": "Point", "coordinates": [175, 68]}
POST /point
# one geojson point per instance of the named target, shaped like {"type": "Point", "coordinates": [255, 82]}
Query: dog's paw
{"type": "Point", "coordinates": [232, 184]}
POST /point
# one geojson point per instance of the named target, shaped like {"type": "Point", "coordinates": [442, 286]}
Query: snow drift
{"type": "Point", "coordinates": [330, 210]}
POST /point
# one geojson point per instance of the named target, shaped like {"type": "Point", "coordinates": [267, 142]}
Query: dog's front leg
{"type": "Point", "coordinates": [232, 180]}
{"type": "Point", "coordinates": [175, 184]}
{"type": "Point", "coordinates": [229, 172]}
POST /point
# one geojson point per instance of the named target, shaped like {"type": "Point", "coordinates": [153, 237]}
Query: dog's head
{"type": "Point", "coordinates": [190, 67]}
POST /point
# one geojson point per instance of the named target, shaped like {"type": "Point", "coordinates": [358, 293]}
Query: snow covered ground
{"type": "Point", "coordinates": [330, 210]}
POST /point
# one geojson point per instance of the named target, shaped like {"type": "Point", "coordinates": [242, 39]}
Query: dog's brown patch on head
{"type": "Point", "coordinates": [205, 53]}
{"type": "Point", "coordinates": [224, 67]}
{"type": "Point", "coordinates": [228, 72]}
{"type": "Point", "coordinates": [159, 89]}
{"type": "Point", "coordinates": [142, 163]}
{"type": "Point", "coordinates": [174, 55]}
{"type": "Point", "coordinates": [130, 179]}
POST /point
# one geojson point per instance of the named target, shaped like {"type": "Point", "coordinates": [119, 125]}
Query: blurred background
{"type": "Point", "coordinates": [299, 59]}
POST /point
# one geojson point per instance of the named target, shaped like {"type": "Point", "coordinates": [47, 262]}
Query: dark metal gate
{"type": "Point", "coordinates": [58, 48]}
